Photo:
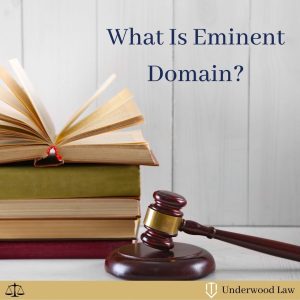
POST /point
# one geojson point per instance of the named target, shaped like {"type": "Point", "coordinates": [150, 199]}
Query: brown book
{"type": "Point", "coordinates": [27, 131]}
{"type": "Point", "coordinates": [78, 208]}
{"type": "Point", "coordinates": [26, 229]}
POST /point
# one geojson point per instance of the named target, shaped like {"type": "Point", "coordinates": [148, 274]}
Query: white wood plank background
{"type": "Point", "coordinates": [60, 53]}
{"type": "Point", "coordinates": [10, 30]}
{"type": "Point", "coordinates": [129, 63]}
{"type": "Point", "coordinates": [231, 149]}
{"type": "Point", "coordinates": [210, 121]}
{"type": "Point", "coordinates": [274, 118]}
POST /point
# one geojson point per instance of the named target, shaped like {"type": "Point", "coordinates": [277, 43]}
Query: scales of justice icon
{"type": "Point", "coordinates": [14, 290]}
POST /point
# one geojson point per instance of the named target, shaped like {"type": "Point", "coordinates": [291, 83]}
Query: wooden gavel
{"type": "Point", "coordinates": [164, 219]}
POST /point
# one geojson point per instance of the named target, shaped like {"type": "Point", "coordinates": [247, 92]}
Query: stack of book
{"type": "Point", "coordinates": [81, 199]}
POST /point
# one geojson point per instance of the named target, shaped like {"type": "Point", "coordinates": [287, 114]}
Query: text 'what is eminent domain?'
{"type": "Point", "coordinates": [196, 37]}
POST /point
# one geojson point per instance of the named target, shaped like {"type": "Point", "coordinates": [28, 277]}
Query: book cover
{"type": "Point", "coordinates": [69, 181]}
{"type": "Point", "coordinates": [62, 249]}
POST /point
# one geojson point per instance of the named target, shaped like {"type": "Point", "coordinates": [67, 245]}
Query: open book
{"type": "Point", "coordinates": [27, 132]}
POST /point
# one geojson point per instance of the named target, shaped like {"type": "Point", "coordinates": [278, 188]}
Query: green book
{"type": "Point", "coordinates": [69, 181]}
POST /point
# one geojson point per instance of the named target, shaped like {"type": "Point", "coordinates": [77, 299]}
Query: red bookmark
{"type": "Point", "coordinates": [52, 159]}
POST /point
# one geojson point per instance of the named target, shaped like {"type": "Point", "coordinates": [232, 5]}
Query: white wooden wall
{"type": "Point", "coordinates": [231, 149]}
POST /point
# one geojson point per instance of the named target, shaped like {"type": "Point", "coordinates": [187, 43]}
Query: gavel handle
{"type": "Point", "coordinates": [267, 246]}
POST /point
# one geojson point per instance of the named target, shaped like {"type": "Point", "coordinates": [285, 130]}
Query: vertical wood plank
{"type": "Point", "coordinates": [130, 64]}
{"type": "Point", "coordinates": [10, 31]}
{"type": "Point", "coordinates": [275, 123]}
{"type": "Point", "coordinates": [210, 124]}
{"type": "Point", "coordinates": [60, 53]}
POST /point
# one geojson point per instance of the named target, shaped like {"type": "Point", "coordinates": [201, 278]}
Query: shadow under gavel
{"type": "Point", "coordinates": [164, 219]}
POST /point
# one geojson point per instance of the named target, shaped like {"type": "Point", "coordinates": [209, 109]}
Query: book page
{"type": "Point", "coordinates": [6, 129]}
{"type": "Point", "coordinates": [36, 103]}
{"type": "Point", "coordinates": [132, 154]}
{"type": "Point", "coordinates": [24, 152]}
{"type": "Point", "coordinates": [19, 93]}
{"type": "Point", "coordinates": [15, 135]}
{"type": "Point", "coordinates": [7, 97]}
{"type": "Point", "coordinates": [16, 142]}
{"type": "Point", "coordinates": [112, 138]}
{"type": "Point", "coordinates": [83, 108]}
{"type": "Point", "coordinates": [106, 125]}
{"type": "Point", "coordinates": [119, 112]}
{"type": "Point", "coordinates": [10, 115]}
{"type": "Point", "coordinates": [24, 127]}
{"type": "Point", "coordinates": [109, 105]}
{"type": "Point", "coordinates": [70, 208]}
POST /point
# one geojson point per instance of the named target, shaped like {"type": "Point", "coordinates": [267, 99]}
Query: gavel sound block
{"type": "Point", "coordinates": [159, 258]}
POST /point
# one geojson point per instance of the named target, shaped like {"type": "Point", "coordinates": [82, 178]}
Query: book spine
{"type": "Point", "coordinates": [69, 181]}
{"type": "Point", "coordinates": [94, 249]}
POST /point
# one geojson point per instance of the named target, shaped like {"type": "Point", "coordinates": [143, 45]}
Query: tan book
{"type": "Point", "coordinates": [68, 229]}
{"type": "Point", "coordinates": [81, 208]}
{"type": "Point", "coordinates": [27, 131]}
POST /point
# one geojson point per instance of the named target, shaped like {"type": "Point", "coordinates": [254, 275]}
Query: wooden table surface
{"type": "Point", "coordinates": [233, 263]}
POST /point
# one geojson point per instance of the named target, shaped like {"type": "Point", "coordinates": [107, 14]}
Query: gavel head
{"type": "Point", "coordinates": [163, 219]}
